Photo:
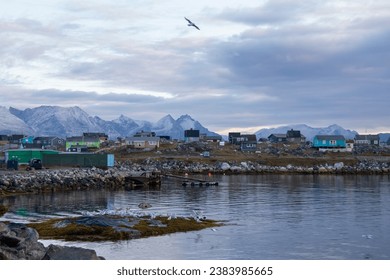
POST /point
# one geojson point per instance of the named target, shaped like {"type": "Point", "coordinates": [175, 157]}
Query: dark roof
{"type": "Point", "coordinates": [293, 133]}
{"type": "Point", "coordinates": [249, 137]}
{"type": "Point", "coordinates": [143, 138]}
{"type": "Point", "coordinates": [94, 134]}
{"type": "Point", "coordinates": [16, 137]}
{"type": "Point", "coordinates": [82, 139]}
{"type": "Point", "coordinates": [278, 135]}
{"type": "Point", "coordinates": [44, 138]}
{"type": "Point", "coordinates": [367, 137]}
{"type": "Point", "coordinates": [233, 134]}
{"type": "Point", "coordinates": [330, 137]}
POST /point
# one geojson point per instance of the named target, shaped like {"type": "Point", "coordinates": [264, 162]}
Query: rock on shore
{"type": "Point", "coordinates": [251, 167]}
{"type": "Point", "coordinates": [63, 180]}
{"type": "Point", "coordinates": [19, 242]}
{"type": "Point", "coordinates": [115, 178]}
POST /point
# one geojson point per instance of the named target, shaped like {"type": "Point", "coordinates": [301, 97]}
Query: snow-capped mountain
{"type": "Point", "coordinates": [10, 124]}
{"type": "Point", "coordinates": [72, 121]}
{"type": "Point", "coordinates": [176, 128]}
{"type": "Point", "coordinates": [56, 120]}
{"type": "Point", "coordinates": [307, 131]}
{"type": "Point", "coordinates": [120, 127]}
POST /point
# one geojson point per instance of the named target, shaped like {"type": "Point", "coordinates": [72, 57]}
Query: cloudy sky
{"type": "Point", "coordinates": [252, 64]}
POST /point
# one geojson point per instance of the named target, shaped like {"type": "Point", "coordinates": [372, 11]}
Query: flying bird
{"type": "Point", "coordinates": [190, 23]}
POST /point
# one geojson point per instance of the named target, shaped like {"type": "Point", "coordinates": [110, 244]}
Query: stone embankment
{"type": "Point", "coordinates": [117, 177]}
{"type": "Point", "coordinates": [249, 167]}
{"type": "Point", "coordinates": [63, 180]}
{"type": "Point", "coordinates": [19, 242]}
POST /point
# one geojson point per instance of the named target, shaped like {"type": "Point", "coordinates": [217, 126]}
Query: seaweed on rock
{"type": "Point", "coordinates": [113, 228]}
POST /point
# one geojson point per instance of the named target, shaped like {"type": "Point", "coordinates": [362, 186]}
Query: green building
{"type": "Point", "coordinates": [51, 158]}
{"type": "Point", "coordinates": [78, 160]}
{"type": "Point", "coordinates": [77, 141]}
{"type": "Point", "coordinates": [23, 156]}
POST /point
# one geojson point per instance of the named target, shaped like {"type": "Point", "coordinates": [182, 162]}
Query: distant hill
{"type": "Point", "coordinates": [307, 131]}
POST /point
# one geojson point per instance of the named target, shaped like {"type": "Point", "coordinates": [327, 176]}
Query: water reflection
{"type": "Point", "coordinates": [268, 217]}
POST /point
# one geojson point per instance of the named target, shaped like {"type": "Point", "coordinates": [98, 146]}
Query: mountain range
{"type": "Point", "coordinates": [310, 132]}
{"type": "Point", "coordinates": [307, 131]}
{"type": "Point", "coordinates": [73, 121]}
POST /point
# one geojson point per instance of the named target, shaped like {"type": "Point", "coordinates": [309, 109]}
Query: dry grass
{"type": "Point", "coordinates": [229, 153]}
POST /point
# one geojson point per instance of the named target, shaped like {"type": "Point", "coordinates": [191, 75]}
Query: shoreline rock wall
{"type": "Point", "coordinates": [249, 167]}
{"type": "Point", "coordinates": [116, 177]}
{"type": "Point", "coordinates": [62, 180]}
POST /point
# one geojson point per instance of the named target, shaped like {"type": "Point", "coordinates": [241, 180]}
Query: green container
{"type": "Point", "coordinates": [23, 156]}
{"type": "Point", "coordinates": [76, 160]}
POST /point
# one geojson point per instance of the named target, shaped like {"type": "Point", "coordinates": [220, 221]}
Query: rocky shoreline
{"type": "Point", "coordinates": [117, 177]}
{"type": "Point", "coordinates": [62, 180]}
{"type": "Point", "coordinates": [250, 167]}
{"type": "Point", "coordinates": [19, 242]}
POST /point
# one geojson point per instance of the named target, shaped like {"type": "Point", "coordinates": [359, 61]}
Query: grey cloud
{"type": "Point", "coordinates": [271, 12]}
{"type": "Point", "coordinates": [279, 70]}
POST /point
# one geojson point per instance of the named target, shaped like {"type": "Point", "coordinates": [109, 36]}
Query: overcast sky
{"type": "Point", "coordinates": [252, 64]}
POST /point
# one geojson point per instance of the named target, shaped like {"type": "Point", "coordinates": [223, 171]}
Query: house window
{"type": "Point", "coordinates": [332, 142]}
{"type": "Point", "coordinates": [324, 142]}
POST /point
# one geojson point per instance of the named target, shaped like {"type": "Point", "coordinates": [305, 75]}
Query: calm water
{"type": "Point", "coordinates": [268, 217]}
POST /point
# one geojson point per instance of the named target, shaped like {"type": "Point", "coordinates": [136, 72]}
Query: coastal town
{"type": "Point", "coordinates": [234, 138]}
{"type": "Point", "coordinates": [97, 150]}
{"type": "Point", "coordinates": [37, 165]}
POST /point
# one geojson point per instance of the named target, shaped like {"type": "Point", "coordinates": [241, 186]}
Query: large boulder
{"type": "Point", "coordinates": [56, 252]}
{"type": "Point", "coordinates": [225, 166]}
{"type": "Point", "coordinates": [19, 242]}
{"type": "Point", "coordinates": [338, 165]}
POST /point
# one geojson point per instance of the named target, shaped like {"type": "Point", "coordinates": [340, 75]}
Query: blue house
{"type": "Point", "coordinates": [27, 140]}
{"type": "Point", "coordinates": [329, 141]}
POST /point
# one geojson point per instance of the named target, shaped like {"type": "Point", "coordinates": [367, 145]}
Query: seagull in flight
{"type": "Point", "coordinates": [190, 23]}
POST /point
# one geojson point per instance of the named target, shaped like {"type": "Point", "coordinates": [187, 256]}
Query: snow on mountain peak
{"type": "Point", "coordinates": [307, 131]}
{"type": "Point", "coordinates": [123, 119]}
{"type": "Point", "coordinates": [186, 122]}
{"type": "Point", "coordinates": [12, 124]}
{"type": "Point", "coordinates": [165, 123]}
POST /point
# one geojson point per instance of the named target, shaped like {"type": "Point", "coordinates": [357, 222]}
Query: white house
{"type": "Point", "coordinates": [143, 142]}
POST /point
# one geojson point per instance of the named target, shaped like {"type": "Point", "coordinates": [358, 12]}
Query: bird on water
{"type": "Point", "coordinates": [144, 205]}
